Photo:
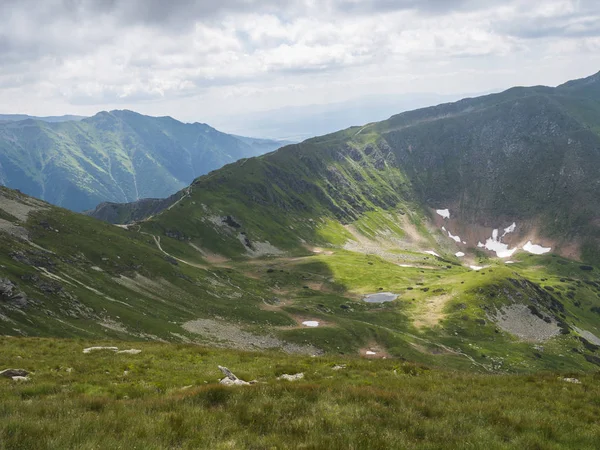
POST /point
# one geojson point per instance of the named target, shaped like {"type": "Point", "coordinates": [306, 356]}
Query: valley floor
{"type": "Point", "coordinates": [169, 396]}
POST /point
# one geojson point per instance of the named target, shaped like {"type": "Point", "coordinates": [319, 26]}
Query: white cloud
{"type": "Point", "coordinates": [194, 59]}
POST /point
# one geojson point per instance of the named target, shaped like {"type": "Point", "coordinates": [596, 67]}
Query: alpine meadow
{"type": "Point", "coordinates": [429, 281]}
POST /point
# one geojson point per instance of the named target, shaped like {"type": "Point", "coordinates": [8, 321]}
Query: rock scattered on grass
{"type": "Point", "coordinates": [131, 351]}
{"type": "Point", "coordinates": [287, 377]}
{"type": "Point", "coordinates": [572, 380]}
{"type": "Point", "coordinates": [339, 367]}
{"type": "Point", "coordinates": [231, 380]}
{"type": "Point", "coordinates": [11, 373]}
{"type": "Point", "coordinates": [20, 379]}
{"type": "Point", "coordinates": [93, 349]}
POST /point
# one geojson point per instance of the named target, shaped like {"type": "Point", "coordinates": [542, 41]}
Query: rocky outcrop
{"type": "Point", "coordinates": [287, 377]}
{"type": "Point", "coordinates": [231, 380]}
{"type": "Point", "coordinates": [10, 294]}
{"type": "Point", "coordinates": [11, 373]}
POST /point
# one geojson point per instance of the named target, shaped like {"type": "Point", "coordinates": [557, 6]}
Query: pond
{"type": "Point", "coordinates": [380, 297]}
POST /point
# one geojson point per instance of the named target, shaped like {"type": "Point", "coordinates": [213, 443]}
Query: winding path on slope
{"type": "Point", "coordinates": [157, 242]}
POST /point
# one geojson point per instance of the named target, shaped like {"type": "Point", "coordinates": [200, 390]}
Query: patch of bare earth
{"type": "Point", "coordinates": [430, 311]}
{"type": "Point", "coordinates": [210, 257]}
{"type": "Point", "coordinates": [19, 210]}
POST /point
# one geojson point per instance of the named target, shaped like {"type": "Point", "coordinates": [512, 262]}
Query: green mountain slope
{"type": "Point", "coordinates": [117, 156]}
{"type": "Point", "coordinates": [522, 156]}
{"type": "Point", "coordinates": [255, 254]}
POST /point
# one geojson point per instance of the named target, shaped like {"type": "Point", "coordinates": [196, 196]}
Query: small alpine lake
{"type": "Point", "coordinates": [380, 297]}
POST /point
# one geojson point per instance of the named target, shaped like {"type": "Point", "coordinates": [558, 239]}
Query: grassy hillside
{"type": "Point", "coordinates": [72, 276]}
{"type": "Point", "coordinates": [521, 156]}
{"type": "Point", "coordinates": [117, 156]}
{"type": "Point", "coordinates": [167, 396]}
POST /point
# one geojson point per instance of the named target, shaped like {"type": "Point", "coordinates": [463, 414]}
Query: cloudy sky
{"type": "Point", "coordinates": [199, 59]}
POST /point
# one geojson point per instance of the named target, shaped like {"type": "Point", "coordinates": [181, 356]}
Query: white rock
{"type": "Point", "coordinates": [287, 377]}
{"type": "Point", "coordinates": [94, 349]}
{"type": "Point", "coordinates": [131, 351]}
{"type": "Point", "coordinates": [20, 379]}
{"type": "Point", "coordinates": [311, 323]}
{"type": "Point", "coordinates": [369, 352]}
{"type": "Point", "coordinates": [229, 382]}
{"type": "Point", "coordinates": [459, 254]}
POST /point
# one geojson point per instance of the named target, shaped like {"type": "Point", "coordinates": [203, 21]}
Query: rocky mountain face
{"type": "Point", "coordinates": [117, 156]}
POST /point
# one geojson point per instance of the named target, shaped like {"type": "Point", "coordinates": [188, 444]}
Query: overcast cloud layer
{"type": "Point", "coordinates": [200, 59]}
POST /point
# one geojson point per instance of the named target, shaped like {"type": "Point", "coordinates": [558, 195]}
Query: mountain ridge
{"type": "Point", "coordinates": [113, 156]}
{"type": "Point", "coordinates": [527, 153]}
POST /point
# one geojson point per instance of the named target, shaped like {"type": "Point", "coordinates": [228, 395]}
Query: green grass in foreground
{"type": "Point", "coordinates": [168, 397]}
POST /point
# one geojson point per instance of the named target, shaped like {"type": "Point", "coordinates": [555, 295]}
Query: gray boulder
{"type": "Point", "coordinates": [10, 373]}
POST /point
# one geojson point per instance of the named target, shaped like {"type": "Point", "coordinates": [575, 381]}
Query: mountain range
{"type": "Point", "coordinates": [463, 235]}
{"type": "Point", "coordinates": [117, 156]}
{"type": "Point", "coordinates": [521, 156]}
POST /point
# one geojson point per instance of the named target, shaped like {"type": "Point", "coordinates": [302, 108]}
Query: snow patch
{"type": "Point", "coordinates": [432, 253]}
{"type": "Point", "coordinates": [495, 244]}
{"type": "Point", "coordinates": [311, 323]}
{"type": "Point", "coordinates": [459, 254]}
{"type": "Point", "coordinates": [476, 267]}
{"type": "Point", "coordinates": [445, 213]}
{"type": "Point", "coordinates": [369, 352]}
{"type": "Point", "coordinates": [536, 249]}
{"type": "Point", "coordinates": [455, 238]}
{"type": "Point", "coordinates": [510, 229]}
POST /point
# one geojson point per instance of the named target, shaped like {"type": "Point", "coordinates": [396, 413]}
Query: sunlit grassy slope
{"type": "Point", "coordinates": [85, 278]}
